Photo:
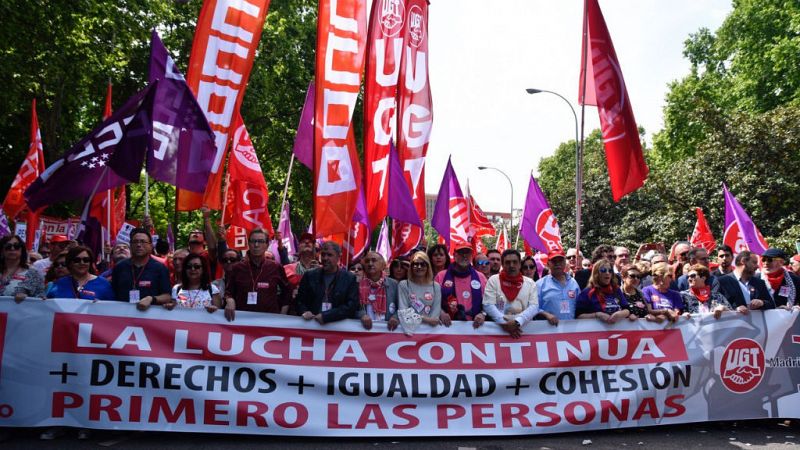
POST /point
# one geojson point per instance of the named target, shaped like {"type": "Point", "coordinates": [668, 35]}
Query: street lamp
{"type": "Point", "coordinates": [578, 165]}
{"type": "Point", "coordinates": [511, 185]}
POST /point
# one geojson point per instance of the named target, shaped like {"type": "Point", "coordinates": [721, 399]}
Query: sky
{"type": "Point", "coordinates": [484, 54]}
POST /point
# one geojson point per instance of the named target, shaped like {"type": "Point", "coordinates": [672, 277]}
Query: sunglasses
{"type": "Point", "coordinates": [60, 264]}
{"type": "Point", "coordinates": [419, 264]}
{"type": "Point", "coordinates": [194, 266]}
{"type": "Point", "coordinates": [84, 260]}
{"type": "Point", "coordinates": [635, 276]}
{"type": "Point", "coordinates": [13, 246]}
{"type": "Point", "coordinates": [571, 257]}
{"type": "Point", "coordinates": [605, 270]}
{"type": "Point", "coordinates": [766, 259]}
{"type": "Point", "coordinates": [485, 262]}
{"type": "Point", "coordinates": [691, 276]}
{"type": "Point", "coordinates": [528, 267]}
{"type": "Point", "coordinates": [230, 260]}
{"type": "Point", "coordinates": [683, 254]}
{"type": "Point", "coordinates": [358, 269]}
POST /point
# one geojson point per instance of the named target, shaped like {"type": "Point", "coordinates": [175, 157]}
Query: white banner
{"type": "Point", "coordinates": [106, 365]}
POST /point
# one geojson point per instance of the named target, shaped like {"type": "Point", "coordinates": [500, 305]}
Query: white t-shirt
{"type": "Point", "coordinates": [193, 298]}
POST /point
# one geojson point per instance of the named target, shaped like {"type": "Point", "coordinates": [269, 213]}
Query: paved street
{"type": "Point", "coordinates": [757, 434]}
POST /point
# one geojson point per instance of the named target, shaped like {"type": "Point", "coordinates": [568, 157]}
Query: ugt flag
{"type": "Point", "coordinates": [451, 214]}
{"type": "Point", "coordinates": [740, 232]}
{"type": "Point", "coordinates": [701, 235]}
{"type": "Point", "coordinates": [606, 89]}
{"type": "Point", "coordinates": [539, 226]}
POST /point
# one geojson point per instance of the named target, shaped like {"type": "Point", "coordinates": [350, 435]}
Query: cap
{"type": "Point", "coordinates": [306, 237]}
{"type": "Point", "coordinates": [59, 238]}
{"type": "Point", "coordinates": [774, 253]}
{"type": "Point", "coordinates": [796, 258]}
{"type": "Point", "coordinates": [463, 246]}
{"type": "Point", "coordinates": [555, 254]}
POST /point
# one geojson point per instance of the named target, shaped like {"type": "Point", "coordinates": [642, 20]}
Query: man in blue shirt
{"type": "Point", "coordinates": [557, 291]}
{"type": "Point", "coordinates": [141, 279]}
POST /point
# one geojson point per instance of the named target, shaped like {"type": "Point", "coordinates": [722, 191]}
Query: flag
{"type": "Point", "coordinates": [5, 230]}
{"type": "Point", "coordinates": [285, 229]}
{"type": "Point", "coordinates": [539, 227]}
{"type": "Point", "coordinates": [304, 139]}
{"type": "Point", "coordinates": [111, 220]}
{"type": "Point", "coordinates": [341, 39]}
{"type": "Point", "coordinates": [701, 235]}
{"type": "Point", "coordinates": [170, 238]}
{"type": "Point", "coordinates": [502, 240]}
{"type": "Point", "coordinates": [740, 232]}
{"type": "Point", "coordinates": [247, 192]}
{"type": "Point", "coordinates": [184, 148]}
{"type": "Point", "coordinates": [405, 238]}
{"type": "Point", "coordinates": [224, 48]}
{"type": "Point", "coordinates": [414, 104]}
{"type": "Point", "coordinates": [383, 247]}
{"type": "Point", "coordinates": [108, 110]}
{"type": "Point", "coordinates": [31, 168]}
{"type": "Point", "coordinates": [451, 214]}
{"type": "Point", "coordinates": [83, 169]}
{"type": "Point", "coordinates": [401, 205]}
{"type": "Point", "coordinates": [384, 50]}
{"type": "Point", "coordinates": [358, 241]}
{"type": "Point", "coordinates": [477, 245]}
{"type": "Point", "coordinates": [479, 224]}
{"type": "Point", "coordinates": [606, 89]}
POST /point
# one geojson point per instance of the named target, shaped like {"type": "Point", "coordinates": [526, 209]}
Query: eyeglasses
{"type": "Point", "coordinates": [140, 242]}
{"type": "Point", "coordinates": [683, 254]}
{"type": "Point", "coordinates": [84, 260]}
{"type": "Point", "coordinates": [419, 264]}
{"type": "Point", "coordinates": [258, 241]}
{"type": "Point", "coordinates": [358, 269]}
{"type": "Point", "coordinates": [60, 264]}
{"type": "Point", "coordinates": [604, 270]}
{"type": "Point", "coordinates": [528, 267]}
{"type": "Point", "coordinates": [194, 266]}
{"type": "Point", "coordinates": [767, 259]}
{"type": "Point", "coordinates": [623, 255]}
{"type": "Point", "coordinates": [230, 260]}
{"type": "Point", "coordinates": [485, 262]}
{"type": "Point", "coordinates": [13, 246]}
{"type": "Point", "coordinates": [571, 257]}
{"type": "Point", "coordinates": [691, 276]}
{"type": "Point", "coordinates": [635, 276]}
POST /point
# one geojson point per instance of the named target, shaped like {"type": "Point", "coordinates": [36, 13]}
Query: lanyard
{"type": "Point", "coordinates": [253, 276]}
{"type": "Point", "coordinates": [141, 272]}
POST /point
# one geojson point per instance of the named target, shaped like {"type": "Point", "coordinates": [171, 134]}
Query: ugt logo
{"type": "Point", "coordinates": [742, 365]}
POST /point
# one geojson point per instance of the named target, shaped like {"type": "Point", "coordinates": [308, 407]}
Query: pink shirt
{"type": "Point", "coordinates": [462, 286]}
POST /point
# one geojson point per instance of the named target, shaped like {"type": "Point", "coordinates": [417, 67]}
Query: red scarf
{"type": "Point", "coordinates": [366, 288]}
{"type": "Point", "coordinates": [702, 293]}
{"type": "Point", "coordinates": [601, 292]}
{"type": "Point", "coordinates": [510, 285]}
{"type": "Point", "coordinates": [776, 279]}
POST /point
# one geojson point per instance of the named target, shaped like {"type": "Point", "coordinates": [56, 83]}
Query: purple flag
{"type": "Point", "coordinates": [358, 241]}
{"type": "Point", "coordinates": [170, 238]}
{"type": "Point", "coordinates": [304, 139]}
{"type": "Point", "coordinates": [183, 148]}
{"type": "Point", "coordinates": [401, 205]}
{"type": "Point", "coordinates": [84, 169]}
{"type": "Point", "coordinates": [740, 232]}
{"type": "Point", "coordinates": [285, 229]}
{"type": "Point", "coordinates": [539, 226]}
{"type": "Point", "coordinates": [451, 214]}
{"type": "Point", "coordinates": [4, 228]}
{"type": "Point", "coordinates": [383, 246]}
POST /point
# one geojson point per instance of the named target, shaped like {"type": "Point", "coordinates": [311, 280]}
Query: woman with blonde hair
{"type": "Point", "coordinates": [661, 300]}
{"type": "Point", "coordinates": [602, 299]}
{"type": "Point", "coordinates": [420, 292]}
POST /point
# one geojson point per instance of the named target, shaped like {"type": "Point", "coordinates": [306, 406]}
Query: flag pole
{"type": "Point", "coordinates": [286, 185]}
{"type": "Point", "coordinates": [579, 156]}
{"type": "Point", "coordinates": [146, 193]}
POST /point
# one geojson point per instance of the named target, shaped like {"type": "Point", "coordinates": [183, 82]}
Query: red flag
{"type": "Point", "coordinates": [405, 238]}
{"type": "Point", "coordinates": [701, 236]}
{"type": "Point", "coordinates": [384, 50]}
{"type": "Point", "coordinates": [478, 222]}
{"type": "Point", "coordinates": [477, 245]}
{"type": "Point", "coordinates": [415, 105]}
{"type": "Point", "coordinates": [107, 111]}
{"type": "Point", "coordinates": [247, 190]}
{"type": "Point", "coordinates": [111, 222]}
{"type": "Point", "coordinates": [31, 168]}
{"type": "Point", "coordinates": [341, 40]}
{"type": "Point", "coordinates": [606, 89]}
{"type": "Point", "coordinates": [223, 50]}
{"type": "Point", "coordinates": [502, 241]}
{"type": "Point", "coordinates": [236, 238]}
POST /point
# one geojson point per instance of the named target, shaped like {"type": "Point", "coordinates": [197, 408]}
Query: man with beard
{"type": "Point", "coordinates": [377, 293]}
{"type": "Point", "coordinates": [328, 293]}
{"type": "Point", "coordinates": [462, 288]}
{"type": "Point", "coordinates": [743, 290]}
{"type": "Point", "coordinates": [307, 260]}
{"type": "Point", "coordinates": [781, 283]}
{"type": "Point", "coordinates": [724, 259]}
{"type": "Point", "coordinates": [495, 261]}
{"type": "Point", "coordinates": [510, 298]}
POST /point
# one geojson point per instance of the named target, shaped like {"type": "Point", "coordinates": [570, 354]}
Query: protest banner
{"type": "Point", "coordinates": [107, 365]}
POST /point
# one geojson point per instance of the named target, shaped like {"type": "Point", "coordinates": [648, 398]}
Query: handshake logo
{"type": "Point", "coordinates": [742, 366]}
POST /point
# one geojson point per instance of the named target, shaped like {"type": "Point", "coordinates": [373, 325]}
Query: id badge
{"type": "Point", "coordinates": [133, 296]}
{"type": "Point", "coordinates": [564, 307]}
{"type": "Point", "coordinates": [417, 305]}
{"type": "Point", "coordinates": [326, 306]}
{"type": "Point", "coordinates": [784, 291]}
{"type": "Point", "coordinates": [704, 308]}
{"type": "Point", "coordinates": [252, 298]}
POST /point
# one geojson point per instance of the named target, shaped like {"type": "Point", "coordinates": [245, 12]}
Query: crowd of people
{"type": "Point", "coordinates": [505, 288]}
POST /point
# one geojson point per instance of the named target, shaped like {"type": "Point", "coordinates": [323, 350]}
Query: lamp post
{"type": "Point", "coordinates": [510, 185]}
{"type": "Point", "coordinates": [578, 165]}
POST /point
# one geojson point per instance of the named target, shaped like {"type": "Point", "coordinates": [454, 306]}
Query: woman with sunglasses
{"type": "Point", "coordinates": [57, 270]}
{"type": "Point", "coordinates": [398, 270]}
{"type": "Point", "coordinates": [357, 269]}
{"type": "Point", "coordinates": [195, 291]}
{"type": "Point", "coordinates": [483, 265]}
{"type": "Point", "coordinates": [699, 298]}
{"type": "Point", "coordinates": [81, 283]}
{"type": "Point", "coordinates": [16, 278]}
{"type": "Point", "coordinates": [661, 300]}
{"type": "Point", "coordinates": [420, 292]}
{"type": "Point", "coordinates": [439, 258]}
{"type": "Point", "coordinates": [529, 268]}
{"type": "Point", "coordinates": [631, 280]}
{"type": "Point", "coordinates": [602, 299]}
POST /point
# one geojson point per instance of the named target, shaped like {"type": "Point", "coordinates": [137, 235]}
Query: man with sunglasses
{"type": "Point", "coordinates": [781, 283]}
{"type": "Point", "coordinates": [574, 260]}
{"type": "Point", "coordinates": [483, 265]}
{"type": "Point", "coordinates": [256, 283]}
{"type": "Point", "coordinates": [558, 291]}
{"type": "Point", "coordinates": [141, 279]}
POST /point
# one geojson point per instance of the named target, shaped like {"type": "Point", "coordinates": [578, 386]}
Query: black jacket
{"type": "Point", "coordinates": [729, 287]}
{"type": "Point", "coordinates": [343, 295]}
